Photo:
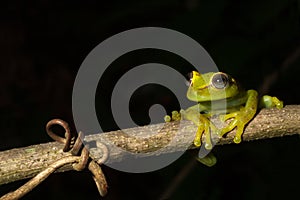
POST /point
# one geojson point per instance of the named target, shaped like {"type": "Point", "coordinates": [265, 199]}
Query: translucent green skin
{"type": "Point", "coordinates": [219, 94]}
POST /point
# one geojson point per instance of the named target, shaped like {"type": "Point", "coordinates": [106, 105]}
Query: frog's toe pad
{"type": "Point", "coordinates": [208, 146]}
{"type": "Point", "coordinates": [176, 116]}
{"type": "Point", "coordinates": [167, 118]}
{"type": "Point", "coordinates": [237, 140]}
{"type": "Point", "coordinates": [197, 142]}
{"type": "Point", "coordinates": [278, 103]}
{"type": "Point", "coordinates": [270, 102]}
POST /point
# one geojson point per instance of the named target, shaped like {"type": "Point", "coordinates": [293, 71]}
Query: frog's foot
{"type": "Point", "coordinates": [239, 120]}
{"type": "Point", "coordinates": [270, 102]}
{"type": "Point", "coordinates": [205, 126]}
{"type": "Point", "coordinates": [209, 160]}
{"type": "Point", "coordinates": [176, 116]}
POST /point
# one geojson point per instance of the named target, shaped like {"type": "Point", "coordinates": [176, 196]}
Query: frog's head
{"type": "Point", "coordinates": [211, 86]}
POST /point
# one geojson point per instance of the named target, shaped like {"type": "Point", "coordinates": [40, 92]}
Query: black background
{"type": "Point", "coordinates": [43, 43]}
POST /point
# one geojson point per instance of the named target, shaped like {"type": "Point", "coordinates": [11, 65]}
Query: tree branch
{"type": "Point", "coordinates": [26, 162]}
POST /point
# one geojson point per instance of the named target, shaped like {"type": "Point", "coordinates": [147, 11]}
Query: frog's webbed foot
{"type": "Point", "coordinates": [176, 116]}
{"type": "Point", "coordinates": [270, 102]}
{"type": "Point", "coordinates": [239, 119]}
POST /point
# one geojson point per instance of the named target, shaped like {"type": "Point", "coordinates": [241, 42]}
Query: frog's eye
{"type": "Point", "coordinates": [219, 80]}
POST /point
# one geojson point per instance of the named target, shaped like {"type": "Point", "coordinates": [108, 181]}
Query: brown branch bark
{"type": "Point", "coordinates": [26, 162]}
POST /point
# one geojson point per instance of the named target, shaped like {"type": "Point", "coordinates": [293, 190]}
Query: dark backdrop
{"type": "Point", "coordinates": [43, 43]}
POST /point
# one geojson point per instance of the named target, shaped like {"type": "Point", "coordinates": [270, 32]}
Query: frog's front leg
{"type": "Point", "coordinates": [242, 117]}
{"type": "Point", "coordinates": [205, 126]}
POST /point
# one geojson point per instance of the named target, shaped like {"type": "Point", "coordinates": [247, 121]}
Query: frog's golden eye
{"type": "Point", "coordinates": [220, 80]}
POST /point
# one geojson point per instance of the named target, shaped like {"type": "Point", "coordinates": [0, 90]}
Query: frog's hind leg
{"type": "Point", "coordinates": [205, 126]}
{"type": "Point", "coordinates": [231, 125]}
{"type": "Point", "coordinates": [198, 137]}
{"type": "Point", "coordinates": [270, 102]}
{"type": "Point", "coordinates": [209, 160]}
{"type": "Point", "coordinates": [208, 144]}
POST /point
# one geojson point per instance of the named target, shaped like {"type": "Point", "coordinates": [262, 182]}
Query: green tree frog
{"type": "Point", "coordinates": [217, 93]}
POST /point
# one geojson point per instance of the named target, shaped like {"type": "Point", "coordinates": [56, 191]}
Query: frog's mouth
{"type": "Point", "coordinates": [205, 87]}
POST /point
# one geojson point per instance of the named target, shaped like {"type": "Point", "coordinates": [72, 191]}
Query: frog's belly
{"type": "Point", "coordinates": [223, 106]}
